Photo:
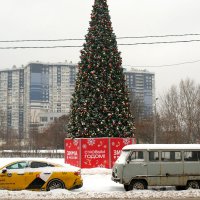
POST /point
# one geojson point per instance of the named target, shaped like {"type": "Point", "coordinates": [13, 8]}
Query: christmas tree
{"type": "Point", "coordinates": [100, 104]}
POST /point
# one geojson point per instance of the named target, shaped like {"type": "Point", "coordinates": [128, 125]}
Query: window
{"type": "Point", "coordinates": [153, 156]}
{"type": "Point", "coordinates": [43, 119]}
{"type": "Point", "coordinates": [171, 156]}
{"type": "Point", "coordinates": [18, 165]}
{"type": "Point", "coordinates": [40, 164]}
{"type": "Point", "coordinates": [192, 156]}
{"type": "Point", "coordinates": [122, 158]}
{"type": "Point", "coordinates": [137, 156]}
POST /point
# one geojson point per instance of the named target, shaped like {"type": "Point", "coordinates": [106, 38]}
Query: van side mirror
{"type": "Point", "coordinates": [128, 159]}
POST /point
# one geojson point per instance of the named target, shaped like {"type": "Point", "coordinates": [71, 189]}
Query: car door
{"type": "Point", "coordinates": [13, 176]}
{"type": "Point", "coordinates": [37, 175]}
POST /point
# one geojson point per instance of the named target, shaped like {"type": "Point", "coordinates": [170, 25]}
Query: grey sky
{"type": "Point", "coordinates": [55, 19]}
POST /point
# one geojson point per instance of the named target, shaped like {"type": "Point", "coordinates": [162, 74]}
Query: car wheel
{"type": "Point", "coordinates": [139, 185]}
{"type": "Point", "coordinates": [128, 187]}
{"type": "Point", "coordinates": [193, 185]}
{"type": "Point", "coordinates": [55, 184]}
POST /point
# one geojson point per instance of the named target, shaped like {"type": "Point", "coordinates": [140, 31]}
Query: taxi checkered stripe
{"type": "Point", "coordinates": [39, 181]}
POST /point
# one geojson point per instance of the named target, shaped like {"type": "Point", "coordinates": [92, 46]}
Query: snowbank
{"type": "Point", "coordinates": [97, 184]}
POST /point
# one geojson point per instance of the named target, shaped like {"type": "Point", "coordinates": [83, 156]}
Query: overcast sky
{"type": "Point", "coordinates": [58, 19]}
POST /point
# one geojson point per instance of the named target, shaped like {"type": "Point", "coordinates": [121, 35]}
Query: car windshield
{"type": "Point", "coordinates": [122, 158]}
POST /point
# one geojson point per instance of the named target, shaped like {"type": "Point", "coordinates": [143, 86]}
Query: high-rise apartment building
{"type": "Point", "coordinates": [12, 101]}
{"type": "Point", "coordinates": [48, 92]}
{"type": "Point", "coordinates": [32, 95]}
{"type": "Point", "coordinates": [141, 84]}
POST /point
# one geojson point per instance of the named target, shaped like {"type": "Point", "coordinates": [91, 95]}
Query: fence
{"type": "Point", "coordinates": [38, 154]}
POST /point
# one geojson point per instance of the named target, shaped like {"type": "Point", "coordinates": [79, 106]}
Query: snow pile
{"type": "Point", "coordinates": [97, 184]}
{"type": "Point", "coordinates": [95, 171]}
{"type": "Point", "coordinates": [81, 194]}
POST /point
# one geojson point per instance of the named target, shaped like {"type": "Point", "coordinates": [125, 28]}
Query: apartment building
{"type": "Point", "coordinates": [34, 95]}
{"type": "Point", "coordinates": [12, 102]}
{"type": "Point", "coordinates": [141, 84]}
{"type": "Point", "coordinates": [30, 93]}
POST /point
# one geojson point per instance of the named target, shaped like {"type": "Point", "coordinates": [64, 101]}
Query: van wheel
{"type": "Point", "coordinates": [128, 187]}
{"type": "Point", "coordinates": [193, 185]}
{"type": "Point", "coordinates": [139, 185]}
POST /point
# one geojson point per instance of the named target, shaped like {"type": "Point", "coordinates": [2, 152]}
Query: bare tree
{"type": "Point", "coordinates": [136, 106]}
{"type": "Point", "coordinates": [170, 116]}
{"type": "Point", "coordinates": [189, 94]}
{"type": "Point", "coordinates": [8, 135]}
{"type": "Point", "coordinates": [54, 135]}
{"type": "Point", "coordinates": [144, 124]}
{"type": "Point", "coordinates": [144, 130]}
{"type": "Point", "coordinates": [180, 113]}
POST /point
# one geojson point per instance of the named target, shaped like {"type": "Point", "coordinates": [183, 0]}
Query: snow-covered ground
{"type": "Point", "coordinates": [97, 184]}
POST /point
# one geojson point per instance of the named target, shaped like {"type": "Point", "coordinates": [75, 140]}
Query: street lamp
{"type": "Point", "coordinates": [154, 123]}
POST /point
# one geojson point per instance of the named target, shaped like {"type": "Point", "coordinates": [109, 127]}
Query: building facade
{"type": "Point", "coordinates": [34, 91]}
{"type": "Point", "coordinates": [141, 85]}
{"type": "Point", "coordinates": [34, 95]}
{"type": "Point", "coordinates": [12, 102]}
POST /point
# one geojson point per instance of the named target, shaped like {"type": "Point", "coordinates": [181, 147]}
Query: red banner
{"type": "Point", "coordinates": [116, 145]}
{"type": "Point", "coordinates": [72, 152]}
{"type": "Point", "coordinates": [94, 152]}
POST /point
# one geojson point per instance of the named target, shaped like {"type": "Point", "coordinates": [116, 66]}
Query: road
{"type": "Point", "coordinates": [197, 198]}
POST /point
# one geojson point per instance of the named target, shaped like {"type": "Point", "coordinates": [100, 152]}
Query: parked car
{"type": "Point", "coordinates": [39, 175]}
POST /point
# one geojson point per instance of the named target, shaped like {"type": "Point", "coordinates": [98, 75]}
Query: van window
{"type": "Point", "coordinates": [137, 156]}
{"type": "Point", "coordinates": [153, 156]}
{"type": "Point", "coordinates": [192, 155]}
{"type": "Point", "coordinates": [122, 158]}
{"type": "Point", "coordinates": [171, 156]}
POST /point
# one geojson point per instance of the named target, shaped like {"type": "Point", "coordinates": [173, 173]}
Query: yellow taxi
{"type": "Point", "coordinates": [39, 175]}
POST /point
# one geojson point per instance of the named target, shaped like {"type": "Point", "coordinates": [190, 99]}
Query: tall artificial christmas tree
{"type": "Point", "coordinates": [100, 104]}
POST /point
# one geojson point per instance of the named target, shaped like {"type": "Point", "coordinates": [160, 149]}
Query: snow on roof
{"type": "Point", "coordinates": [162, 146]}
{"type": "Point", "coordinates": [63, 166]}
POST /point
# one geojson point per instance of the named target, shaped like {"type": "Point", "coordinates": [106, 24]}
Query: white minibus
{"type": "Point", "coordinates": [143, 165]}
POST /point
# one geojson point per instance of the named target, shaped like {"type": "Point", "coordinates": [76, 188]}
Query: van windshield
{"type": "Point", "coordinates": [122, 158]}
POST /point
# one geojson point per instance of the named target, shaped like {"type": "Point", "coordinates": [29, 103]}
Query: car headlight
{"type": "Point", "coordinates": [115, 170]}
